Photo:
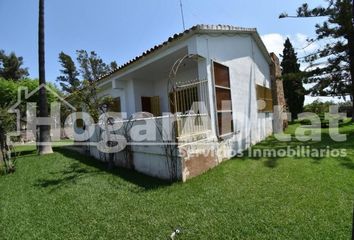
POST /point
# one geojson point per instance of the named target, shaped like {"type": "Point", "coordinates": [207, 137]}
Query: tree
{"type": "Point", "coordinates": [113, 65]}
{"type": "Point", "coordinates": [92, 66]}
{"type": "Point", "coordinates": [6, 124]}
{"type": "Point", "coordinates": [331, 67]}
{"type": "Point", "coordinates": [9, 92]}
{"type": "Point", "coordinates": [293, 88]}
{"type": "Point", "coordinates": [69, 80]}
{"type": "Point", "coordinates": [10, 66]}
{"type": "Point", "coordinates": [44, 130]}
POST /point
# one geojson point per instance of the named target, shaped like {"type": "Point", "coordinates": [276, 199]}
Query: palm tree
{"type": "Point", "coordinates": [44, 130]}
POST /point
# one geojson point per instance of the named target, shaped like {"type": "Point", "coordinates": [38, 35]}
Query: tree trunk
{"type": "Point", "coordinates": [44, 130]}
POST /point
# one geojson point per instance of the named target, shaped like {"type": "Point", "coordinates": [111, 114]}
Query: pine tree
{"type": "Point", "coordinates": [335, 60]}
{"type": "Point", "coordinates": [92, 66]}
{"type": "Point", "coordinates": [11, 67]}
{"type": "Point", "coordinates": [69, 80]}
{"type": "Point", "coordinates": [293, 88]}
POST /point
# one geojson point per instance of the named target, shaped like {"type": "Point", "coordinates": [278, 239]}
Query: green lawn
{"type": "Point", "coordinates": [67, 196]}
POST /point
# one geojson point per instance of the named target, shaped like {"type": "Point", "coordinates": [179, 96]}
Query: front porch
{"type": "Point", "coordinates": [175, 83]}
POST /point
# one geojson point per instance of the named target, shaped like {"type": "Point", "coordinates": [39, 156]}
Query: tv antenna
{"type": "Point", "coordinates": [182, 14]}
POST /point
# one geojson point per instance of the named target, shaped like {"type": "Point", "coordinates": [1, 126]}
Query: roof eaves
{"type": "Point", "coordinates": [202, 28]}
{"type": "Point", "coordinates": [151, 50]}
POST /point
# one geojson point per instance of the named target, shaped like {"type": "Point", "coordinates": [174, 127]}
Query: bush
{"type": "Point", "coordinates": [318, 107]}
{"type": "Point", "coordinates": [346, 107]}
{"type": "Point", "coordinates": [8, 168]}
{"type": "Point", "coordinates": [324, 121]}
{"type": "Point", "coordinates": [7, 124]}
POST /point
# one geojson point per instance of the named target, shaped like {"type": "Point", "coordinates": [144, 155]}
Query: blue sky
{"type": "Point", "coordinates": [119, 30]}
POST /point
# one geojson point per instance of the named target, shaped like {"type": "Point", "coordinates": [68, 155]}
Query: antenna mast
{"type": "Point", "coordinates": [182, 14]}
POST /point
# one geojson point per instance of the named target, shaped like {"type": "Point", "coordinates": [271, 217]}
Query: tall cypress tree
{"type": "Point", "coordinates": [293, 88]}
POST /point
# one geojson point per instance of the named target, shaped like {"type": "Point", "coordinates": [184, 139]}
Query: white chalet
{"type": "Point", "coordinates": [226, 68]}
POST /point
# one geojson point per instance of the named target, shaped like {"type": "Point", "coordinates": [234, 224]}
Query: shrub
{"type": "Point", "coordinates": [346, 107]}
{"type": "Point", "coordinates": [318, 107]}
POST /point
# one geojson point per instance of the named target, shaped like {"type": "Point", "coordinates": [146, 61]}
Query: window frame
{"type": "Point", "coordinates": [217, 112]}
{"type": "Point", "coordinates": [264, 95]}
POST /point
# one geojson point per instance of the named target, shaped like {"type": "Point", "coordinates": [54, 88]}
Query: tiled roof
{"type": "Point", "coordinates": [195, 29]}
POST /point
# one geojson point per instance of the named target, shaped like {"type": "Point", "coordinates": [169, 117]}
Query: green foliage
{"type": "Point", "coordinates": [7, 168]}
{"type": "Point", "coordinates": [69, 80]}
{"type": "Point", "coordinates": [7, 120]}
{"type": "Point", "coordinates": [331, 68]}
{"type": "Point", "coordinates": [321, 108]}
{"type": "Point", "coordinates": [113, 65]}
{"type": "Point", "coordinates": [92, 66]}
{"type": "Point", "coordinates": [292, 80]}
{"type": "Point", "coordinates": [11, 67]}
{"type": "Point", "coordinates": [318, 107]}
{"type": "Point", "coordinates": [335, 77]}
{"type": "Point", "coordinates": [88, 100]}
{"type": "Point", "coordinates": [9, 91]}
{"type": "Point", "coordinates": [7, 124]}
{"type": "Point", "coordinates": [346, 107]}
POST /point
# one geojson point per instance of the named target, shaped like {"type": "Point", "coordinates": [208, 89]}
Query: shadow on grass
{"type": "Point", "coordinates": [75, 172]}
{"type": "Point", "coordinates": [24, 153]}
{"type": "Point", "coordinates": [272, 145]}
{"type": "Point", "coordinates": [68, 176]}
{"type": "Point", "coordinates": [347, 162]}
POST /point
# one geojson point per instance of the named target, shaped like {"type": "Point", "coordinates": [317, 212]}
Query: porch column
{"type": "Point", "coordinates": [205, 72]}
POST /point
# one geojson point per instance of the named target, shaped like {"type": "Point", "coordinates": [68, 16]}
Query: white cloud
{"type": "Point", "coordinates": [310, 99]}
{"type": "Point", "coordinates": [274, 42]}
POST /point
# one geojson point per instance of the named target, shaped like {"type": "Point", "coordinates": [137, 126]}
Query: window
{"type": "Point", "coordinates": [223, 99]}
{"type": "Point", "coordinates": [264, 99]}
{"type": "Point", "coordinates": [151, 105]}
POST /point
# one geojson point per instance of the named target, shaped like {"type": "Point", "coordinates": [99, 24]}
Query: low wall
{"type": "Point", "coordinates": [203, 155]}
{"type": "Point", "coordinates": [182, 161]}
{"type": "Point", "coordinates": [153, 158]}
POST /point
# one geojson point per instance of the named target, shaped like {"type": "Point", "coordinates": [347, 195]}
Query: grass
{"type": "Point", "coordinates": [69, 196]}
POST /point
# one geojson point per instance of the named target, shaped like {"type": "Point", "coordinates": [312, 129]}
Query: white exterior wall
{"type": "Point", "coordinates": [248, 67]}
{"type": "Point", "coordinates": [149, 159]}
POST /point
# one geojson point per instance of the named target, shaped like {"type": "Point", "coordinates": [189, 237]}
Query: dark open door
{"type": "Point", "coordinates": [146, 104]}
